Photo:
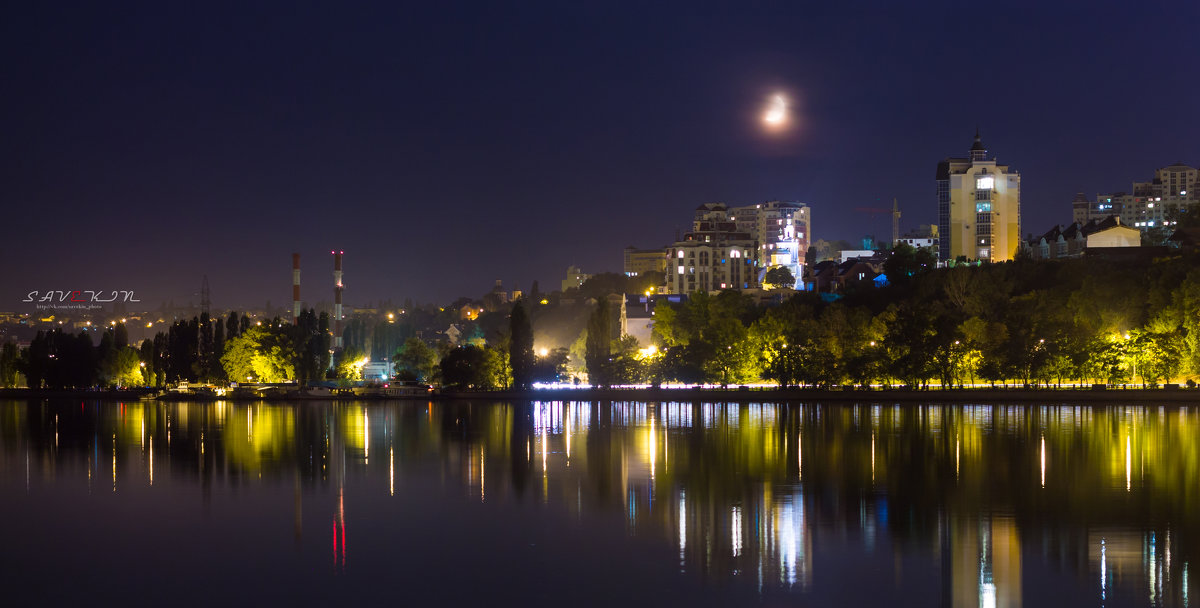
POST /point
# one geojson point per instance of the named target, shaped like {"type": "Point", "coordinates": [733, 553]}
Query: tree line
{"type": "Point", "coordinates": [1088, 320]}
{"type": "Point", "coordinates": [203, 349]}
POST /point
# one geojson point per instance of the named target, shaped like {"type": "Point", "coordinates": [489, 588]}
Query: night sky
{"type": "Point", "coordinates": [444, 146]}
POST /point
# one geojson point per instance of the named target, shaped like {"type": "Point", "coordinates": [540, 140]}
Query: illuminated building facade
{"type": "Point", "coordinates": [979, 207]}
{"type": "Point", "coordinates": [783, 230]}
{"type": "Point", "coordinates": [641, 261]}
{"type": "Point", "coordinates": [715, 255]}
{"type": "Point", "coordinates": [1152, 204]}
{"type": "Point", "coordinates": [575, 278]}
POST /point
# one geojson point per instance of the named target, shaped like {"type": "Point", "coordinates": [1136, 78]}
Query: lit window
{"type": "Point", "coordinates": [985, 183]}
{"type": "Point", "coordinates": [681, 270]}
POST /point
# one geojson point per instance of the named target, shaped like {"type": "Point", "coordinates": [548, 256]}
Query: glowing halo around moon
{"type": "Point", "coordinates": [777, 112]}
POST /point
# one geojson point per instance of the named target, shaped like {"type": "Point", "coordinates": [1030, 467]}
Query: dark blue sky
{"type": "Point", "coordinates": [444, 146]}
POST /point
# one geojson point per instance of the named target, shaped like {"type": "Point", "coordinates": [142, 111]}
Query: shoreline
{"type": "Point", "coordinates": [1026, 396]}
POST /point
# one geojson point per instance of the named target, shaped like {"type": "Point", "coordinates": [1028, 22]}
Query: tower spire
{"type": "Point", "coordinates": [978, 150]}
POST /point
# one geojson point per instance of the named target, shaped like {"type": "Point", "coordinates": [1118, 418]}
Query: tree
{"type": "Point", "coordinates": [10, 361]}
{"type": "Point", "coordinates": [350, 364]}
{"type": "Point", "coordinates": [906, 262]}
{"type": "Point", "coordinates": [415, 360]}
{"type": "Point", "coordinates": [552, 367]}
{"type": "Point", "coordinates": [232, 326]}
{"type": "Point", "coordinates": [520, 348]}
{"type": "Point", "coordinates": [146, 362]}
{"type": "Point", "coordinates": [598, 345]}
{"type": "Point", "coordinates": [215, 369]}
{"type": "Point", "coordinates": [779, 277]}
{"type": "Point", "coordinates": [311, 335]}
{"type": "Point", "coordinates": [121, 336]}
{"type": "Point", "coordinates": [469, 367]}
{"type": "Point", "coordinates": [238, 360]}
{"type": "Point", "coordinates": [127, 368]}
{"type": "Point", "coordinates": [626, 365]}
{"type": "Point", "coordinates": [262, 353]}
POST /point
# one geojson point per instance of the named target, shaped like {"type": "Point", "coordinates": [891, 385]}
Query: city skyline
{"type": "Point", "coordinates": [443, 150]}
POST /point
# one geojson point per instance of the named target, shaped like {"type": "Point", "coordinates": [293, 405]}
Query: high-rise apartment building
{"type": "Point", "coordinates": [715, 255]}
{"type": "Point", "coordinates": [783, 230]}
{"type": "Point", "coordinates": [979, 207]}
{"type": "Point", "coordinates": [1152, 204]}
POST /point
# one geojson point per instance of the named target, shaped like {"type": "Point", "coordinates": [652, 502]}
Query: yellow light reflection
{"type": "Point", "coordinates": [957, 453]}
{"type": "Point", "coordinates": [651, 445]}
{"type": "Point", "coordinates": [1128, 466]}
{"type": "Point", "coordinates": [567, 432]}
{"type": "Point", "coordinates": [799, 458]}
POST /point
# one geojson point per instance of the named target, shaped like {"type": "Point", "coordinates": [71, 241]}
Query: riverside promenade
{"type": "Point", "coordinates": [1029, 396]}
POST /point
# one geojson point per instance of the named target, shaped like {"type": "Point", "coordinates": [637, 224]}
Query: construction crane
{"type": "Point", "coordinates": [895, 211]}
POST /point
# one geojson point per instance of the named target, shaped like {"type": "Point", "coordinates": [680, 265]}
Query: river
{"type": "Point", "coordinates": [599, 504]}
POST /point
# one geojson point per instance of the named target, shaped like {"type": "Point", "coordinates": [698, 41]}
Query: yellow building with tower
{"type": "Point", "coordinates": [979, 207]}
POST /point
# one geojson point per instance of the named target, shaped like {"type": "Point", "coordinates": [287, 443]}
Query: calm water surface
{"type": "Point", "coordinates": [578, 503]}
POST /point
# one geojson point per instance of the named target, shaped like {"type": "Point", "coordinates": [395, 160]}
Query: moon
{"type": "Point", "coordinates": [776, 113]}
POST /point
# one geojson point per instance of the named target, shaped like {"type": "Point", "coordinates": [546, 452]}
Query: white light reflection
{"type": "Point", "coordinates": [1154, 584]}
{"type": "Point", "coordinates": [1043, 460]}
{"type": "Point", "coordinates": [790, 536]}
{"type": "Point", "coordinates": [682, 528]}
{"type": "Point", "coordinates": [1167, 557]}
{"type": "Point", "coordinates": [1103, 570]}
{"type": "Point", "coordinates": [735, 526]}
{"type": "Point", "coordinates": [391, 471]}
{"type": "Point", "coordinates": [1185, 584]}
{"type": "Point", "coordinates": [872, 457]}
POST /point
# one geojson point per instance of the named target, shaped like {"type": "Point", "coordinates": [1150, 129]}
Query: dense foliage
{"type": "Point", "coordinates": [1084, 320]}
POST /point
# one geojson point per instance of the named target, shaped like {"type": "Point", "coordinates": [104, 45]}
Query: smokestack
{"type": "Point", "coordinates": [337, 299]}
{"type": "Point", "coordinates": [295, 289]}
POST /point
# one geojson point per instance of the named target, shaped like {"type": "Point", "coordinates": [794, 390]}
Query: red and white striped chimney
{"type": "Point", "coordinates": [295, 288]}
{"type": "Point", "coordinates": [337, 299]}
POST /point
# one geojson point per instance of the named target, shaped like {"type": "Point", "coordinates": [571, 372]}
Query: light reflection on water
{"type": "Point", "coordinates": [970, 505]}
